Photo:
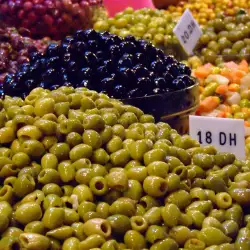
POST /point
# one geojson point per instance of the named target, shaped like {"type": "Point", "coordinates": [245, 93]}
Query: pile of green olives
{"type": "Point", "coordinates": [153, 25]}
{"type": "Point", "coordinates": [81, 171]}
{"type": "Point", "coordinates": [225, 39]}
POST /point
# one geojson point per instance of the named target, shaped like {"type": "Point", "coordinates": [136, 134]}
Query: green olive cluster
{"type": "Point", "coordinates": [82, 171]}
{"type": "Point", "coordinates": [226, 39]}
{"type": "Point", "coordinates": [155, 26]}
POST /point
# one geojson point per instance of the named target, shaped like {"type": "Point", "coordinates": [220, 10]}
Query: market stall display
{"type": "Point", "coordinates": [15, 49]}
{"type": "Point", "coordinates": [93, 146]}
{"type": "Point", "coordinates": [225, 92]}
{"type": "Point", "coordinates": [83, 171]}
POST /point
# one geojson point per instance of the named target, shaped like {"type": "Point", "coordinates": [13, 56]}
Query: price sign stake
{"type": "Point", "coordinates": [227, 135]}
{"type": "Point", "coordinates": [188, 31]}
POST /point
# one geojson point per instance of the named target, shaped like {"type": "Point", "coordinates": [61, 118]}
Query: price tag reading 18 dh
{"type": "Point", "coordinates": [227, 135]}
{"type": "Point", "coordinates": [188, 32]}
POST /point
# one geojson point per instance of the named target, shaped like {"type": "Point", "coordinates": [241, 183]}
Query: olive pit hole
{"type": "Point", "coordinates": [20, 125]}
{"type": "Point", "coordinates": [195, 199]}
{"type": "Point", "coordinates": [144, 204]}
{"type": "Point", "coordinates": [163, 187]}
{"type": "Point", "coordinates": [68, 204]}
{"type": "Point", "coordinates": [99, 185]}
{"type": "Point", "coordinates": [139, 222]}
{"type": "Point", "coordinates": [156, 240]}
{"type": "Point", "coordinates": [25, 137]}
{"type": "Point", "coordinates": [15, 246]}
{"type": "Point", "coordinates": [42, 174]}
{"type": "Point", "coordinates": [104, 228]}
{"type": "Point", "coordinates": [179, 171]}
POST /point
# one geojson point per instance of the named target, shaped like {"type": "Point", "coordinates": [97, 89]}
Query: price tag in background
{"type": "Point", "coordinates": [227, 135]}
{"type": "Point", "coordinates": [188, 31]}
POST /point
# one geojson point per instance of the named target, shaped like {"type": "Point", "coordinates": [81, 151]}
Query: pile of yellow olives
{"type": "Point", "coordinates": [225, 38]}
{"type": "Point", "coordinates": [82, 171]}
{"type": "Point", "coordinates": [155, 26]}
{"type": "Point", "coordinates": [204, 11]}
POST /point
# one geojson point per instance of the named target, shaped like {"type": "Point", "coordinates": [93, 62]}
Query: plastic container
{"type": "Point", "coordinates": [172, 107]}
{"type": "Point", "coordinates": [114, 6]}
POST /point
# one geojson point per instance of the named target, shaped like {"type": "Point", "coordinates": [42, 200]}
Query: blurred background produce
{"type": "Point", "coordinates": [15, 49]}
{"type": "Point", "coordinates": [48, 18]}
{"type": "Point", "coordinates": [81, 170]}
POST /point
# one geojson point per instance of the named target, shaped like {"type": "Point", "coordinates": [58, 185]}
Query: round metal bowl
{"type": "Point", "coordinates": [172, 107]}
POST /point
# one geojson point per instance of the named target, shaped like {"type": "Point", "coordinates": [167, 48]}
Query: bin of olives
{"type": "Point", "coordinates": [171, 107]}
{"type": "Point", "coordinates": [225, 39]}
{"type": "Point", "coordinates": [124, 68]}
{"type": "Point", "coordinates": [81, 171]}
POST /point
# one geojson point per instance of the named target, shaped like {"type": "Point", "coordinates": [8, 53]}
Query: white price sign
{"type": "Point", "coordinates": [188, 31]}
{"type": "Point", "coordinates": [227, 135]}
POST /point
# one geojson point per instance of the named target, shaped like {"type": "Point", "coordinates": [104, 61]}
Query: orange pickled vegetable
{"type": "Point", "coordinates": [202, 72]}
{"type": "Point", "coordinates": [234, 87]}
{"type": "Point", "coordinates": [234, 75]}
{"type": "Point", "coordinates": [209, 103]}
{"type": "Point", "coordinates": [237, 75]}
{"type": "Point", "coordinates": [227, 73]}
{"type": "Point", "coordinates": [221, 89]}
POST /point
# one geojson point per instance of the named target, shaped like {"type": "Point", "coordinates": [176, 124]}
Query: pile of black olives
{"type": "Point", "coordinates": [122, 68]}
